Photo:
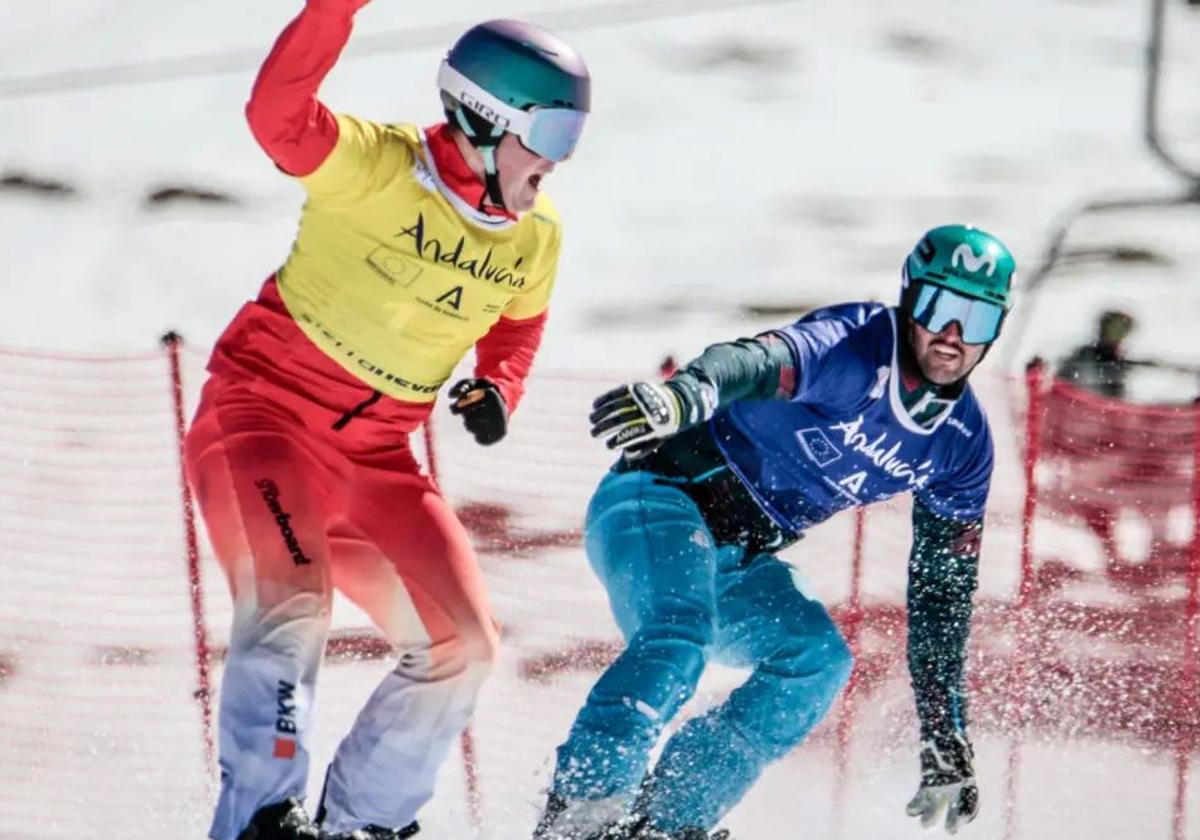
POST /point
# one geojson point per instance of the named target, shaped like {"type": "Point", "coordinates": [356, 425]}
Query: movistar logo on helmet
{"type": "Point", "coordinates": [965, 255]}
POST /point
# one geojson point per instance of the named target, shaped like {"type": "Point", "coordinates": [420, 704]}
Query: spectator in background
{"type": "Point", "coordinates": [1101, 365]}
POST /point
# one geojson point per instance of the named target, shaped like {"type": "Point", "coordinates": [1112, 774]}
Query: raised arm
{"type": "Point", "coordinates": [294, 128]}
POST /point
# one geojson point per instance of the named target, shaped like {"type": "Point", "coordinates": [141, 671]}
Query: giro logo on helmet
{"type": "Point", "coordinates": [481, 108]}
{"type": "Point", "coordinates": [972, 263]}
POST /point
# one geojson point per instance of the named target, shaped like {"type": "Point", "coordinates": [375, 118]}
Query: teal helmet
{"type": "Point", "coordinates": [506, 76]}
{"type": "Point", "coordinates": [959, 273]}
{"type": "Point", "coordinates": [523, 65]}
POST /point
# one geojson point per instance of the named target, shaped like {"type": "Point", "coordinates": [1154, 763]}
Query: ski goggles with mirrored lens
{"type": "Point", "coordinates": [551, 133]}
{"type": "Point", "coordinates": [936, 307]}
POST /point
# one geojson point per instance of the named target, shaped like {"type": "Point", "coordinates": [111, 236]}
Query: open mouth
{"type": "Point", "coordinates": [946, 352]}
{"type": "Point", "coordinates": [535, 181]}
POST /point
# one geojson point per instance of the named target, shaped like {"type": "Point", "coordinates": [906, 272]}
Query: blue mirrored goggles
{"type": "Point", "coordinates": [552, 133]}
{"type": "Point", "coordinates": [936, 307]}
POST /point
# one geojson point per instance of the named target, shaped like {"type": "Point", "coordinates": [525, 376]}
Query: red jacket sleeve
{"type": "Point", "coordinates": [505, 355]}
{"type": "Point", "coordinates": [285, 116]}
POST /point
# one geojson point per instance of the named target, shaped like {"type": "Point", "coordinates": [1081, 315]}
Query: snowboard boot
{"type": "Point", "coordinates": [579, 819]}
{"type": "Point", "coordinates": [374, 832]}
{"type": "Point", "coordinates": [371, 832]}
{"type": "Point", "coordinates": [286, 820]}
{"type": "Point", "coordinates": [701, 834]}
{"type": "Point", "coordinates": [640, 828]}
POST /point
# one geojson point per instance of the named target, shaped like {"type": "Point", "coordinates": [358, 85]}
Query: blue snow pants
{"type": "Point", "coordinates": [681, 601]}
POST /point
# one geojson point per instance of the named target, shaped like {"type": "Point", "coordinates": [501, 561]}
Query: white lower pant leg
{"type": "Point", "coordinates": [385, 769]}
{"type": "Point", "coordinates": [267, 695]}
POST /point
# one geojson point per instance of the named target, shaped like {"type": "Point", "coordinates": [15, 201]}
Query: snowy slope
{"type": "Point", "coordinates": [744, 162]}
{"type": "Point", "coordinates": [781, 154]}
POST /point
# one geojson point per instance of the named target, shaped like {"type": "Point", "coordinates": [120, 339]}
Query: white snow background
{"type": "Point", "coordinates": [743, 162]}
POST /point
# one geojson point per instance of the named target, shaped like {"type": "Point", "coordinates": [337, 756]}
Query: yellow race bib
{"type": "Point", "coordinates": [394, 276]}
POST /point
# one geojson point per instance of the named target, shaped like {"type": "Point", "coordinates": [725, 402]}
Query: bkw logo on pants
{"type": "Point", "coordinates": [285, 719]}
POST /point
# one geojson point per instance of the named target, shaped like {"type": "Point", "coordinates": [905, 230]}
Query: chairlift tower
{"type": "Point", "coordinates": [1189, 176]}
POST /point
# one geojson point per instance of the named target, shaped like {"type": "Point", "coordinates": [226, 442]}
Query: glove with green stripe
{"type": "Point", "coordinates": [635, 418]}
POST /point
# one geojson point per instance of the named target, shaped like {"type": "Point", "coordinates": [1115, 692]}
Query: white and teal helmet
{"type": "Point", "coordinates": [506, 76]}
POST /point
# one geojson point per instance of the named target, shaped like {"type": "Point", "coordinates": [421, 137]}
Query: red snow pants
{"type": "Point", "coordinates": [306, 483]}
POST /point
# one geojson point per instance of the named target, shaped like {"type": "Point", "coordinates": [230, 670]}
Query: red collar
{"type": "Point", "coordinates": [455, 173]}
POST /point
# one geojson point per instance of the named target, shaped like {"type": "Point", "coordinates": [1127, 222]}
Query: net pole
{"type": "Point", "coordinates": [203, 694]}
{"type": "Point", "coordinates": [1034, 374]}
{"type": "Point", "coordinates": [853, 627]}
{"type": "Point", "coordinates": [1185, 743]}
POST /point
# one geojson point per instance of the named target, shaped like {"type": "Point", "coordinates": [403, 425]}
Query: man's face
{"type": "Point", "coordinates": [943, 357]}
{"type": "Point", "coordinates": [521, 173]}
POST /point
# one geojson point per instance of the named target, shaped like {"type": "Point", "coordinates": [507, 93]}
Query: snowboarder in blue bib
{"type": "Point", "coordinates": [731, 460]}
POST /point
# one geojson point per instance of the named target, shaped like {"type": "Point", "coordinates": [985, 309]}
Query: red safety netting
{"type": "Point", "coordinates": [113, 612]}
{"type": "Point", "coordinates": [1124, 628]}
{"type": "Point", "coordinates": [98, 674]}
{"type": "Point", "coordinates": [1103, 459]}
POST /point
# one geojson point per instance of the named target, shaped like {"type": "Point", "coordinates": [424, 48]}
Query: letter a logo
{"type": "Point", "coordinates": [854, 482]}
{"type": "Point", "coordinates": [453, 297]}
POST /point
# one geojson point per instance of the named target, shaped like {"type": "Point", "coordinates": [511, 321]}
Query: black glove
{"type": "Point", "coordinates": [482, 408]}
{"type": "Point", "coordinates": [637, 417]}
{"type": "Point", "coordinates": [947, 782]}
